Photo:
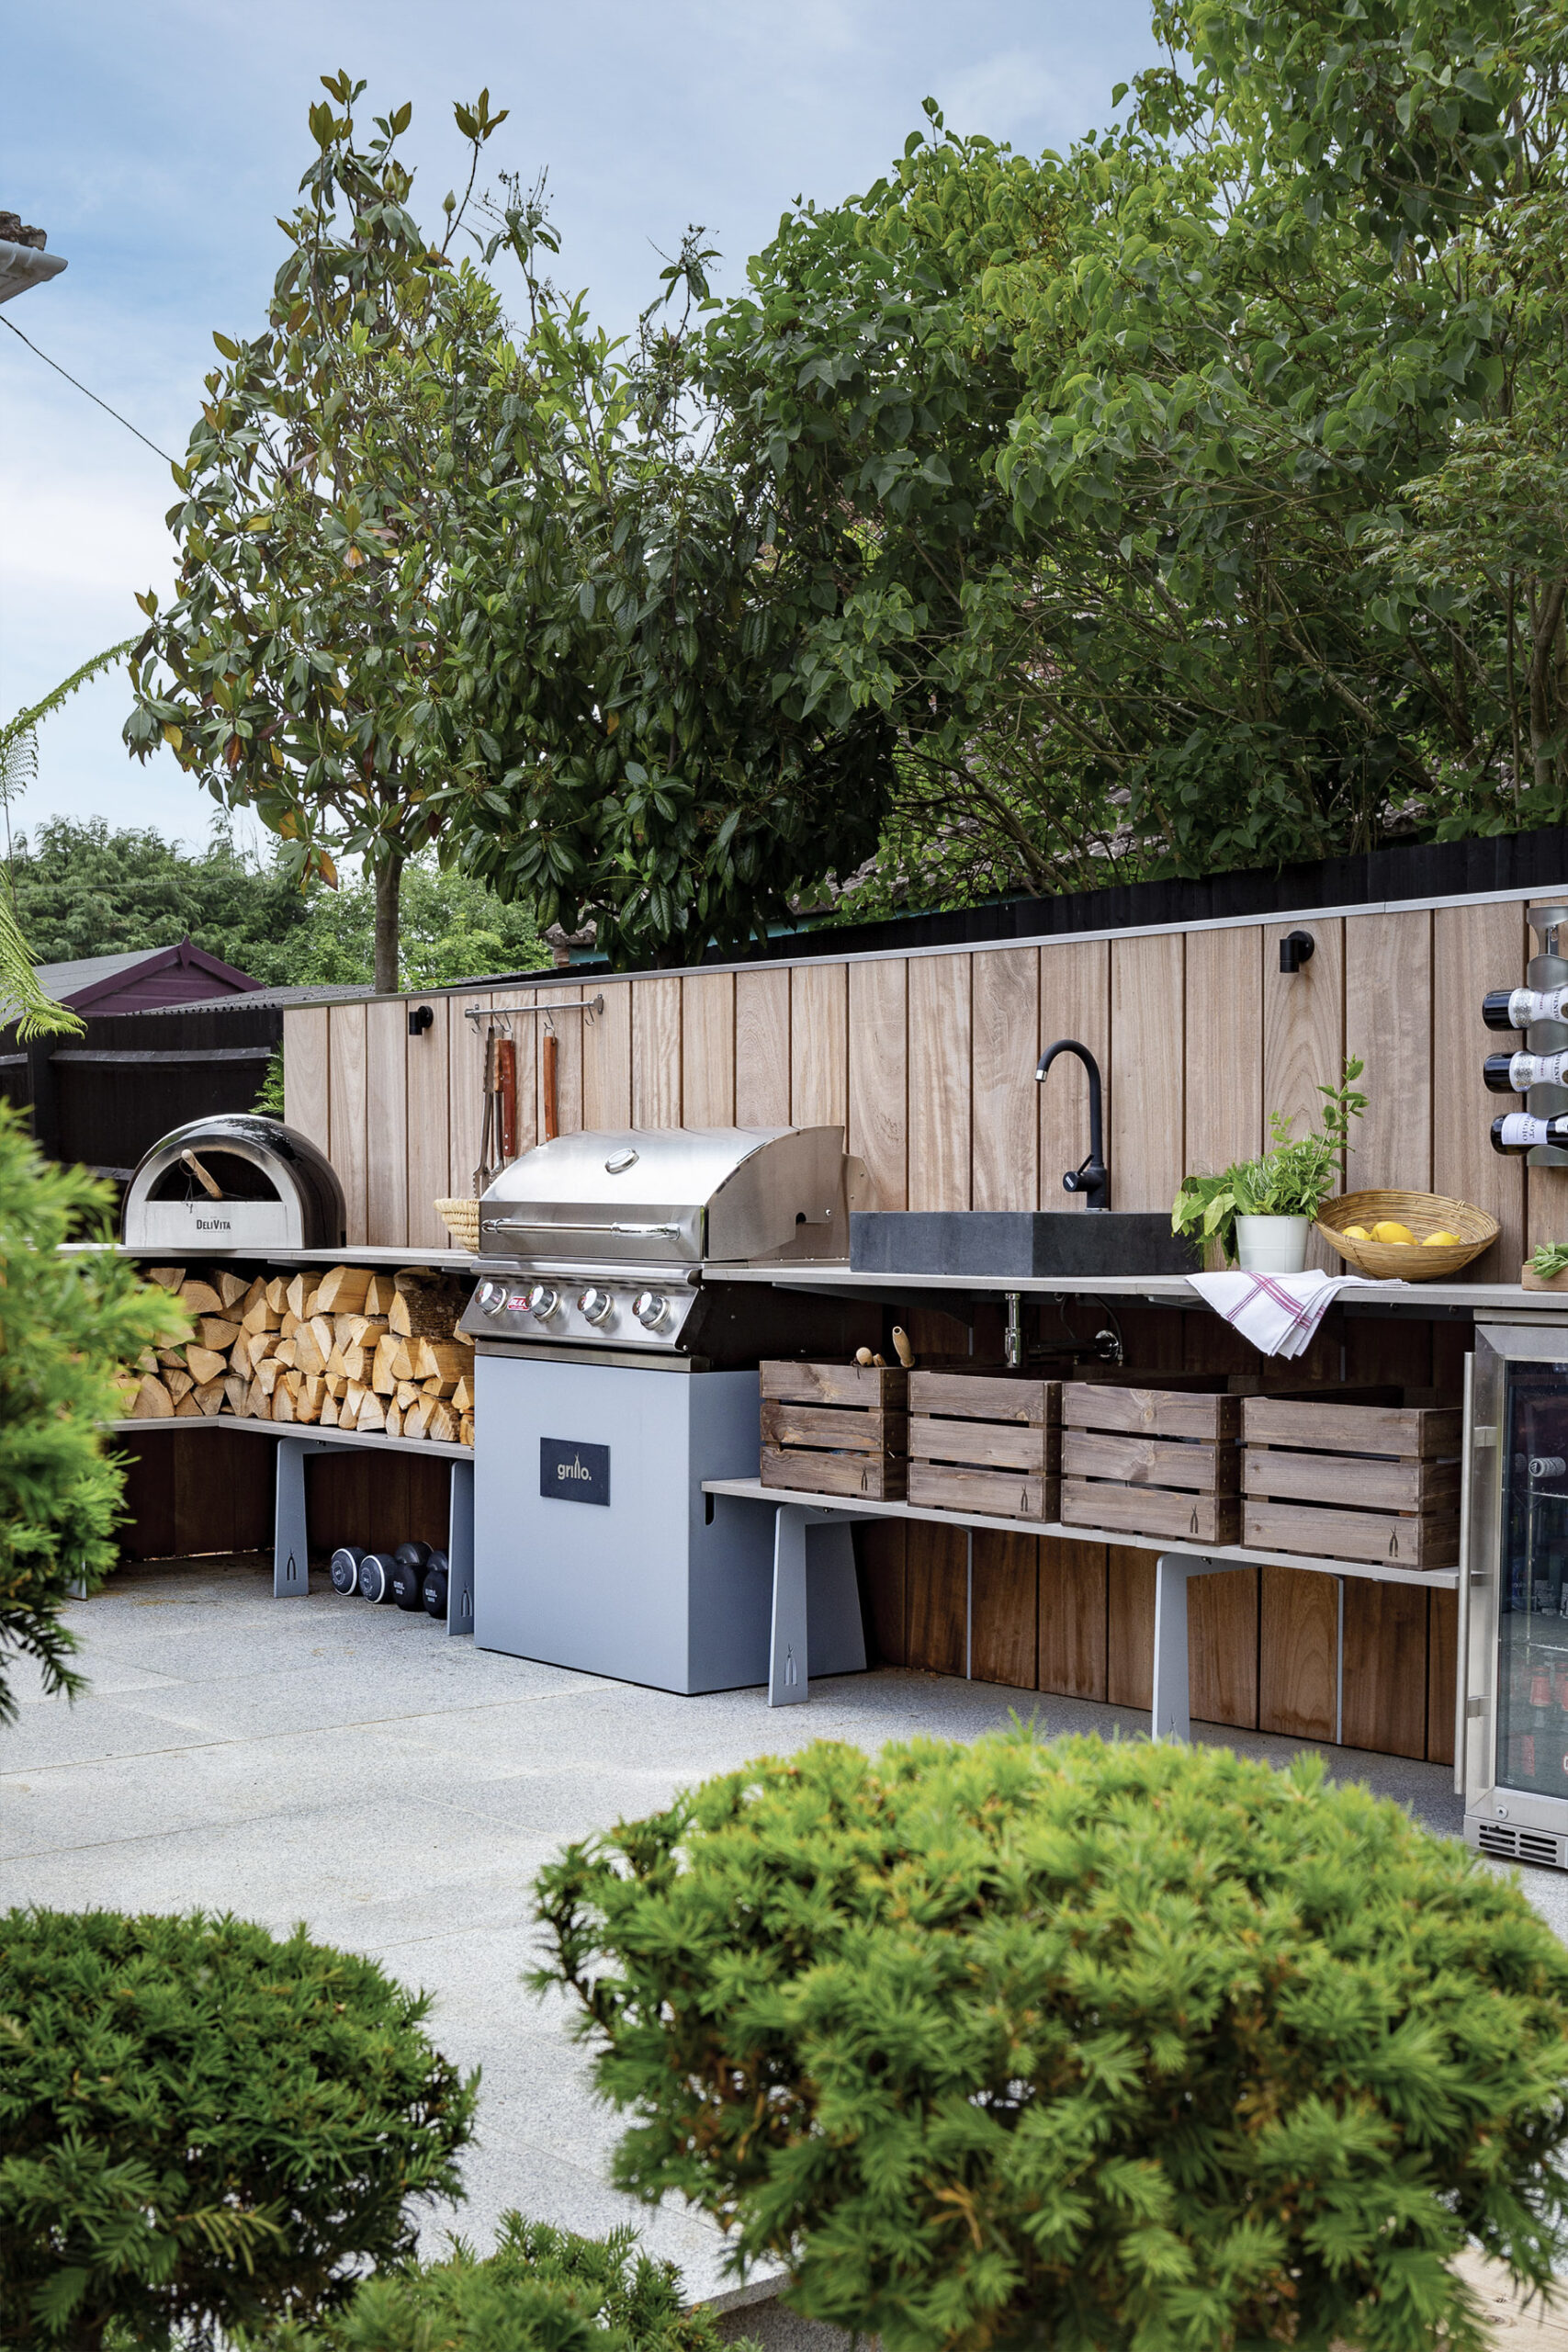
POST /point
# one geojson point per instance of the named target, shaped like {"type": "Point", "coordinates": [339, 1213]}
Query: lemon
{"type": "Point", "coordinates": [1442, 1242]}
{"type": "Point", "coordinates": [1357, 1233]}
{"type": "Point", "coordinates": [1389, 1230]}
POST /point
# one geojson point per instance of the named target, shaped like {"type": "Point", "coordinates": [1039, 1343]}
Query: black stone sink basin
{"type": "Point", "coordinates": [1018, 1241]}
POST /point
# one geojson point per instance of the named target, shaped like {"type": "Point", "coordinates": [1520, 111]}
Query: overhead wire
{"type": "Point", "coordinates": [70, 378]}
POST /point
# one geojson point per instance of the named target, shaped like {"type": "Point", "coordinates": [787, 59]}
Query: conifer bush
{"type": "Point", "coordinates": [1096, 2046]}
{"type": "Point", "coordinates": [68, 1327]}
{"type": "Point", "coordinates": [202, 2126]}
{"type": "Point", "coordinates": [541, 2291]}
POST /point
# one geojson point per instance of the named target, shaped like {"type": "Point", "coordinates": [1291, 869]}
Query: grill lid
{"type": "Point", "coordinates": [671, 1196]}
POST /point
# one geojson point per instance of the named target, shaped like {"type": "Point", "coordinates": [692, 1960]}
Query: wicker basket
{"type": "Point", "coordinates": [1424, 1213]}
{"type": "Point", "coordinates": [461, 1219]}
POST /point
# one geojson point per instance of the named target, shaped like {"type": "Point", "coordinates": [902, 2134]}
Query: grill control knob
{"type": "Point", "coordinates": [542, 1302]}
{"type": "Point", "coordinates": [492, 1297]}
{"type": "Point", "coordinates": [594, 1304]}
{"type": "Point", "coordinates": [651, 1308]}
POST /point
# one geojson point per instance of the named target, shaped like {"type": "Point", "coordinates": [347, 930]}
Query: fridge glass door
{"type": "Point", "coordinates": [1532, 1593]}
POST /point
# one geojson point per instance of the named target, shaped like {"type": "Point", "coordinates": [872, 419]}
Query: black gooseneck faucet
{"type": "Point", "coordinates": [1093, 1178]}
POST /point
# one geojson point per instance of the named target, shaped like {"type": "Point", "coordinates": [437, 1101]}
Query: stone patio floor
{"type": "Point", "coordinates": [326, 1760]}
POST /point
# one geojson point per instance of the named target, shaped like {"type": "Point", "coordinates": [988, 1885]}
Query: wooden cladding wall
{"type": "Point", "coordinates": [1271, 1649]}
{"type": "Point", "coordinates": [927, 1060]}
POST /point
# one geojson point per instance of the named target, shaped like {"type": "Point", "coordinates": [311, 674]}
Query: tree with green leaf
{"type": "Point", "coordinates": [1204, 472]}
{"type": "Point", "coordinates": [638, 737]}
{"type": "Point", "coordinates": [68, 1327]}
{"type": "Point", "coordinates": [324, 494]}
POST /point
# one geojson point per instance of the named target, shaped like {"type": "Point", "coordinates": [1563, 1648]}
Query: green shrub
{"type": "Point", "coordinates": [67, 1324]}
{"type": "Point", "coordinates": [1094, 2045]}
{"type": "Point", "coordinates": [541, 2291]}
{"type": "Point", "coordinates": [201, 2125]}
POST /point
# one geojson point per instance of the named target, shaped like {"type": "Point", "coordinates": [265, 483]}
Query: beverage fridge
{"type": "Point", "coordinates": [1512, 1751]}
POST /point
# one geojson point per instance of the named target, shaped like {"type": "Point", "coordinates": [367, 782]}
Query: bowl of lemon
{"type": "Point", "coordinates": [1406, 1237]}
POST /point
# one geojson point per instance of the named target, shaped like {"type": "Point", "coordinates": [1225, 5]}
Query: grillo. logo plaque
{"type": "Point", "coordinates": [571, 1472]}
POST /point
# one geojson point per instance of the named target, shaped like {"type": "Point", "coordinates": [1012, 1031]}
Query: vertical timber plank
{"type": "Point", "coordinates": [386, 1123]}
{"type": "Point", "coordinates": [708, 1049]}
{"type": "Point", "coordinates": [1075, 1002]}
{"type": "Point", "coordinates": [345, 1080]}
{"type": "Point", "coordinates": [1148, 1055]}
{"type": "Point", "coordinates": [1225, 1049]}
{"type": "Point", "coordinates": [879, 1062]}
{"type": "Point", "coordinates": [1006, 996]}
{"type": "Point", "coordinates": [1385, 1667]}
{"type": "Point", "coordinates": [761, 1048]}
{"type": "Point", "coordinates": [1475, 948]}
{"type": "Point", "coordinates": [1388, 1021]}
{"type": "Point", "coordinates": [1071, 1656]}
{"type": "Point", "coordinates": [937, 1597]}
{"type": "Point", "coordinates": [1442, 1670]}
{"type": "Point", "coordinates": [465, 1093]}
{"type": "Point", "coordinates": [940, 1077]}
{"type": "Point", "coordinates": [1222, 1648]}
{"type": "Point", "coordinates": [819, 1046]}
{"type": "Point", "coordinates": [879, 1557]}
{"type": "Point", "coordinates": [607, 1059]}
{"type": "Point", "coordinates": [1298, 1653]}
{"type": "Point", "coordinates": [1004, 1622]}
{"type": "Point", "coordinates": [656, 1052]}
{"type": "Point", "coordinates": [1130, 1626]}
{"type": "Point", "coordinates": [305, 1072]}
{"type": "Point", "coordinates": [1303, 1038]}
{"type": "Point", "coordinates": [429, 1143]}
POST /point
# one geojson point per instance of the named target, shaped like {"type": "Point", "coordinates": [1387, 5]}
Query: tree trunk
{"type": "Point", "coordinates": [389, 886]}
{"type": "Point", "coordinates": [1547, 619]}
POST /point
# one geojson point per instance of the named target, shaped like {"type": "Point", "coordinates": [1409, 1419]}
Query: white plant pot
{"type": "Point", "coordinates": [1272, 1245]}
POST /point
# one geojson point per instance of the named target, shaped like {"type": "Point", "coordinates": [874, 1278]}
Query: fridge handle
{"type": "Point", "coordinates": [1461, 1663]}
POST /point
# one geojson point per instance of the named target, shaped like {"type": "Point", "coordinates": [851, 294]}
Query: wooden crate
{"type": "Point", "coordinates": [1151, 1460]}
{"type": "Point", "coordinates": [836, 1429]}
{"type": "Point", "coordinates": [1353, 1482]}
{"type": "Point", "coordinates": [987, 1442]}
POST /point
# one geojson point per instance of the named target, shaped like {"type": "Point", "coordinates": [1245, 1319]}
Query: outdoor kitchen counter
{"type": "Point", "coordinates": [1160, 1290]}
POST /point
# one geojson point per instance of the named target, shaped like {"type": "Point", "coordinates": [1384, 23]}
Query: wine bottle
{"type": "Point", "coordinates": [1516, 1073]}
{"type": "Point", "coordinates": [1517, 1131]}
{"type": "Point", "coordinates": [1521, 1008]}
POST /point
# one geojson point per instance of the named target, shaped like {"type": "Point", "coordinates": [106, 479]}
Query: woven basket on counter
{"type": "Point", "coordinates": [461, 1219]}
{"type": "Point", "coordinates": [1424, 1213]}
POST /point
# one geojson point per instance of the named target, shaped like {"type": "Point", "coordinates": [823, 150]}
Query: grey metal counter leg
{"type": "Point", "coordinates": [788, 1678]}
{"type": "Point", "coordinates": [1171, 1715]}
{"type": "Point", "coordinates": [291, 1556]}
{"type": "Point", "coordinates": [460, 1551]}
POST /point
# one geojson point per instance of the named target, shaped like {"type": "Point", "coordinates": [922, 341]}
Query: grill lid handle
{"type": "Point", "coordinates": [553, 1225]}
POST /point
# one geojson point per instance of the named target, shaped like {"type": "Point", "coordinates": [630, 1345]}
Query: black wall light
{"type": "Point", "coordinates": [1296, 948]}
{"type": "Point", "coordinates": [420, 1018]}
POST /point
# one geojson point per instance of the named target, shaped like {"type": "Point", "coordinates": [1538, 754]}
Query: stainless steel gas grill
{"type": "Point", "coordinates": [610, 1234]}
{"type": "Point", "coordinates": [612, 1379]}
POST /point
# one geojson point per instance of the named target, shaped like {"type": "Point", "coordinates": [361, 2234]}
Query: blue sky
{"type": "Point", "coordinates": [157, 143]}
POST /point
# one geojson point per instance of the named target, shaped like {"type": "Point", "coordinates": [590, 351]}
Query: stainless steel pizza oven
{"type": "Point", "coordinates": [233, 1181]}
{"type": "Point", "coordinates": [610, 1233]}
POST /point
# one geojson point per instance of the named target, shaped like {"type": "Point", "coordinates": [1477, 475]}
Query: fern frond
{"type": "Point", "coordinates": [23, 722]}
{"type": "Point", "coordinates": [22, 1000]}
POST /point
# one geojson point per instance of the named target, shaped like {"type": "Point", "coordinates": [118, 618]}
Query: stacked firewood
{"type": "Point", "coordinates": [348, 1350]}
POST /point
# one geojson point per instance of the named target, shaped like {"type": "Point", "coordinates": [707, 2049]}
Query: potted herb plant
{"type": "Point", "coordinates": [1260, 1211]}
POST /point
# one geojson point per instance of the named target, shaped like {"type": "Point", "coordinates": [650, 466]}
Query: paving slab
{"type": "Point", "coordinates": [321, 1759]}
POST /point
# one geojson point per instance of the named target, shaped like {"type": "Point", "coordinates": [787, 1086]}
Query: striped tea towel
{"type": "Point", "coordinates": [1278, 1313]}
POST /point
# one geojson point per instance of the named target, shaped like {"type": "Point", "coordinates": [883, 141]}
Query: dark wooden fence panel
{"type": "Point", "coordinates": [102, 1100]}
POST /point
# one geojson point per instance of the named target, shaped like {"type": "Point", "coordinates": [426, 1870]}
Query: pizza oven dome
{"type": "Point", "coordinates": [237, 1181]}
